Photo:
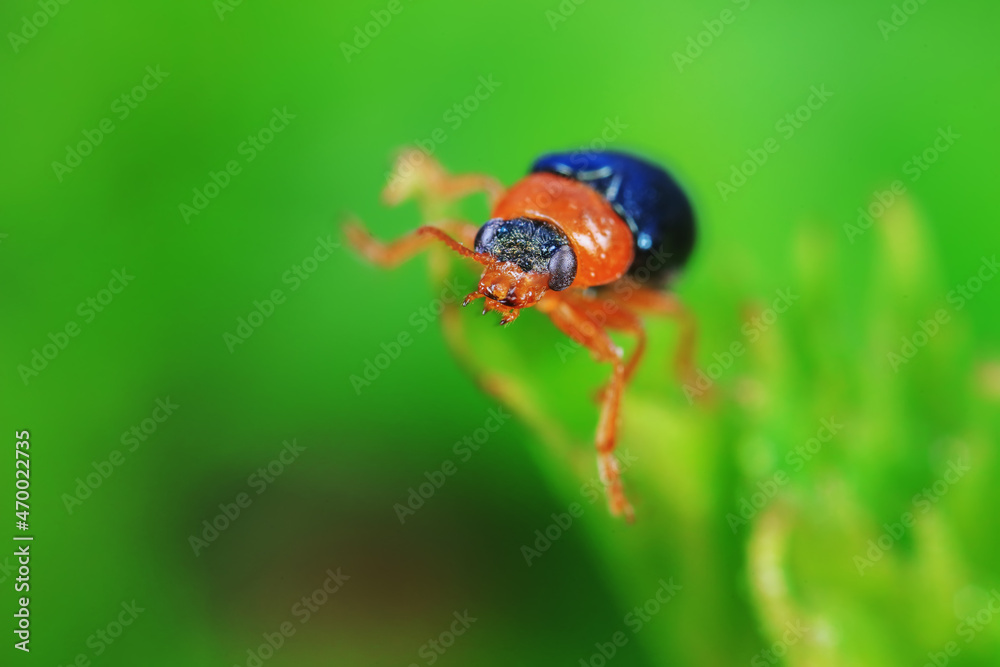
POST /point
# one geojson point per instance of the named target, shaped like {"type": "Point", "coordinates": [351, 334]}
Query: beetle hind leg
{"type": "Point", "coordinates": [668, 305]}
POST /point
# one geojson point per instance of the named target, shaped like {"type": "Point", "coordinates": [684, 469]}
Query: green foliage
{"type": "Point", "coordinates": [173, 184]}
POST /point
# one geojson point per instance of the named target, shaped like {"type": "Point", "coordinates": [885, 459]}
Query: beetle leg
{"type": "Point", "coordinates": [670, 306]}
{"type": "Point", "coordinates": [392, 253]}
{"type": "Point", "coordinates": [578, 321]}
{"type": "Point", "coordinates": [416, 174]}
{"type": "Point", "coordinates": [629, 322]}
{"type": "Point", "coordinates": [615, 316]}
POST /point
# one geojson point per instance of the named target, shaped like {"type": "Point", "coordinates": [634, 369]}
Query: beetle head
{"type": "Point", "coordinates": [526, 258]}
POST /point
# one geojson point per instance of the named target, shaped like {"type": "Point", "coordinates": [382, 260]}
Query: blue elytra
{"type": "Point", "coordinates": [647, 198]}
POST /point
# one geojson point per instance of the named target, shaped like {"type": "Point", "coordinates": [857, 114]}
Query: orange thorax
{"type": "Point", "coordinates": [602, 241]}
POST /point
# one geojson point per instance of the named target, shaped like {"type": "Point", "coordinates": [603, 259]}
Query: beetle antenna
{"type": "Point", "coordinates": [482, 258]}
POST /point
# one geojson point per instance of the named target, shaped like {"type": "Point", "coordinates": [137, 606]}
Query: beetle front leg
{"type": "Point", "coordinates": [616, 317]}
{"type": "Point", "coordinates": [416, 174]}
{"type": "Point", "coordinates": [392, 253]}
{"type": "Point", "coordinates": [578, 324]}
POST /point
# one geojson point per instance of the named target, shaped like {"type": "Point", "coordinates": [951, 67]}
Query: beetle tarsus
{"type": "Point", "coordinates": [510, 316]}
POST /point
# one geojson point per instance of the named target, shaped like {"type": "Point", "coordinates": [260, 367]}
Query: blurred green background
{"type": "Point", "coordinates": [819, 569]}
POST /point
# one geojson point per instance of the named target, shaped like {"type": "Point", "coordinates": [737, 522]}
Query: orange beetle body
{"type": "Point", "coordinates": [576, 223]}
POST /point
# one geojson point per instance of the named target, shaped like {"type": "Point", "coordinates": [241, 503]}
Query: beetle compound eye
{"type": "Point", "coordinates": [562, 266]}
{"type": "Point", "coordinates": [487, 233]}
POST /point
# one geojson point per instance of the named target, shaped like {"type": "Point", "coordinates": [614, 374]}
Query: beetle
{"type": "Point", "coordinates": [588, 238]}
